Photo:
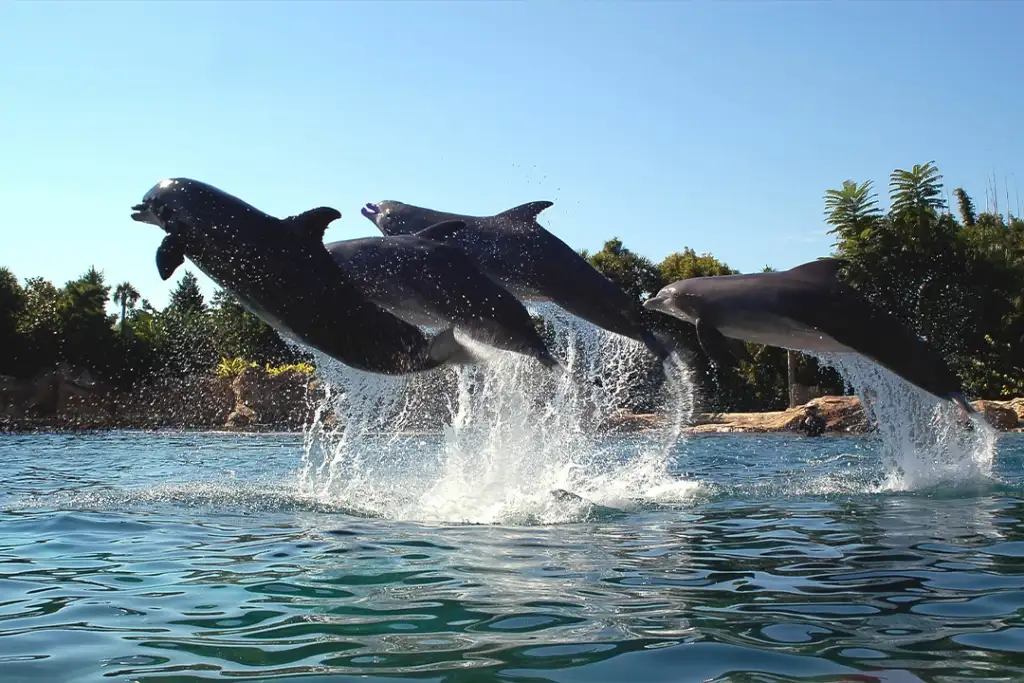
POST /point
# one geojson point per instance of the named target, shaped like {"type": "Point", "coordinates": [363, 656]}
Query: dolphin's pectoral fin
{"type": "Point", "coordinates": [525, 213]}
{"type": "Point", "coordinates": [170, 255]}
{"type": "Point", "coordinates": [313, 223]}
{"type": "Point", "coordinates": [738, 348]}
{"type": "Point", "coordinates": [439, 232]}
{"type": "Point", "coordinates": [445, 348]}
{"type": "Point", "coordinates": [714, 343]}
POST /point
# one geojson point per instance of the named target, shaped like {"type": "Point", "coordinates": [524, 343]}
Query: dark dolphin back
{"type": "Point", "coordinates": [196, 201]}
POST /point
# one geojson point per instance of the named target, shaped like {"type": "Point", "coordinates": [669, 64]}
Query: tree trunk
{"type": "Point", "coordinates": [791, 376]}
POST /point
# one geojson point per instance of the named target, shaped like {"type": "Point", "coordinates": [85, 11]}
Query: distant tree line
{"type": "Point", "coordinates": [956, 279]}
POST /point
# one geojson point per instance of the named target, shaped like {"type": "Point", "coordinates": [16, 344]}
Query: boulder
{"type": "Point", "coordinates": [998, 413]}
{"type": "Point", "coordinates": [279, 401]}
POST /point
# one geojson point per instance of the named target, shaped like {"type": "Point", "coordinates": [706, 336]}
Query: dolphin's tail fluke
{"type": "Point", "coordinates": [445, 348]}
{"type": "Point", "coordinates": [959, 399]}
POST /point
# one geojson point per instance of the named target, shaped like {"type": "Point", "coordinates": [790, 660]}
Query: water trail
{"type": "Point", "coordinates": [511, 433]}
{"type": "Point", "coordinates": [924, 441]}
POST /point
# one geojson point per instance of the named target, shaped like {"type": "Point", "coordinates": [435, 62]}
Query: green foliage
{"type": "Point", "coordinates": [966, 206]}
{"type": "Point", "coordinates": [302, 368]}
{"type": "Point", "coordinates": [636, 274]}
{"type": "Point", "coordinates": [957, 281]}
{"type": "Point", "coordinates": [686, 264]}
{"type": "Point", "coordinates": [852, 211]}
{"type": "Point", "coordinates": [232, 367]}
{"type": "Point", "coordinates": [239, 333]}
{"type": "Point", "coordinates": [917, 192]}
{"type": "Point", "coordinates": [42, 325]}
{"type": "Point", "coordinates": [187, 297]}
{"type": "Point", "coordinates": [12, 305]}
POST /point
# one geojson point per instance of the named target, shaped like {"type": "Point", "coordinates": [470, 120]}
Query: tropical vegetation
{"type": "Point", "coordinates": [953, 274]}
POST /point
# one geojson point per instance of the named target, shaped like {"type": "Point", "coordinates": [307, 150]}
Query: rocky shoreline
{"type": "Point", "coordinates": [68, 399]}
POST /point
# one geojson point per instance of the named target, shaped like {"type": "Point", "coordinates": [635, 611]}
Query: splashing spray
{"type": "Point", "coordinates": [519, 444]}
{"type": "Point", "coordinates": [924, 440]}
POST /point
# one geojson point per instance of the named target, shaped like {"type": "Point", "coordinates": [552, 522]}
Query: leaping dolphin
{"type": "Point", "coordinates": [806, 308]}
{"type": "Point", "coordinates": [519, 254]}
{"type": "Point", "coordinates": [280, 271]}
{"type": "Point", "coordinates": [431, 284]}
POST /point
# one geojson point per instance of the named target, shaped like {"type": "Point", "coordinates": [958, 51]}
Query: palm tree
{"type": "Point", "coordinates": [851, 210]}
{"type": "Point", "coordinates": [127, 296]}
{"type": "Point", "coordinates": [917, 192]}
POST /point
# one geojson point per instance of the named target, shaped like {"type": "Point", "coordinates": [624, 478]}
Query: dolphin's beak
{"type": "Point", "coordinates": [371, 211]}
{"type": "Point", "coordinates": [143, 213]}
{"type": "Point", "coordinates": [655, 303]}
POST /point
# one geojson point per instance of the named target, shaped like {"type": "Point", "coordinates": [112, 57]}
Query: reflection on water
{"type": "Point", "coordinates": [188, 558]}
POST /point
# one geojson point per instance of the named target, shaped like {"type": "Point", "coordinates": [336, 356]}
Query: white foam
{"type": "Point", "coordinates": [516, 432]}
{"type": "Point", "coordinates": [922, 444]}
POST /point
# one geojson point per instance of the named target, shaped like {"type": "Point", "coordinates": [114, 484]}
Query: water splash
{"type": "Point", "coordinates": [924, 440]}
{"type": "Point", "coordinates": [514, 436]}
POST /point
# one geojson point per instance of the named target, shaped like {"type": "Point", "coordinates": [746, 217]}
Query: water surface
{"type": "Point", "coordinates": [201, 557]}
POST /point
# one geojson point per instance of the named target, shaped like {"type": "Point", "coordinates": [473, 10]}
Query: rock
{"type": "Point", "coordinates": [998, 414]}
{"type": "Point", "coordinates": [623, 421]}
{"type": "Point", "coordinates": [840, 413]}
{"type": "Point", "coordinates": [279, 401]}
{"type": "Point", "coordinates": [191, 402]}
{"type": "Point", "coordinates": [1017, 406]}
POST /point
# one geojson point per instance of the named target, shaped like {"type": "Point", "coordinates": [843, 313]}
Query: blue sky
{"type": "Point", "coordinates": [711, 125]}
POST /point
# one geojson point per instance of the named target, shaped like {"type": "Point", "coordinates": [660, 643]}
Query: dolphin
{"type": "Point", "coordinates": [279, 270]}
{"type": "Point", "coordinates": [806, 308]}
{"type": "Point", "coordinates": [519, 254]}
{"type": "Point", "coordinates": [431, 284]}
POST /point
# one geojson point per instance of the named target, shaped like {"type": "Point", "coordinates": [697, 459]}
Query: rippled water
{"type": "Point", "coordinates": [196, 557]}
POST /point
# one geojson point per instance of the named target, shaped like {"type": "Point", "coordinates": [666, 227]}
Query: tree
{"type": "Point", "coordinates": [126, 296]}
{"type": "Point", "coordinates": [39, 326]}
{"type": "Point", "coordinates": [87, 335]}
{"type": "Point", "coordinates": [966, 206]}
{"type": "Point", "coordinates": [237, 333]}
{"type": "Point", "coordinates": [636, 274]}
{"type": "Point", "coordinates": [187, 297]}
{"type": "Point", "coordinates": [917, 192]}
{"type": "Point", "coordinates": [12, 303]}
{"type": "Point", "coordinates": [686, 264]}
{"type": "Point", "coordinates": [852, 211]}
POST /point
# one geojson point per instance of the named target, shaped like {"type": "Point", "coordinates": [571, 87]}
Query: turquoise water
{"type": "Point", "coordinates": [201, 557]}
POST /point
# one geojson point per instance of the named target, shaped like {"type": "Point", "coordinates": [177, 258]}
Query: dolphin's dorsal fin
{"type": "Point", "coordinates": [824, 269]}
{"type": "Point", "coordinates": [169, 255]}
{"type": "Point", "coordinates": [525, 213]}
{"type": "Point", "coordinates": [439, 232]}
{"type": "Point", "coordinates": [313, 222]}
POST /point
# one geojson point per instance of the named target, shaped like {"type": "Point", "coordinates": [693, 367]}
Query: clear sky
{"type": "Point", "coordinates": [711, 125]}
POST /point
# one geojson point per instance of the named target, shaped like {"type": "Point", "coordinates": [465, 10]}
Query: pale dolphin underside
{"type": "Point", "coordinates": [806, 308]}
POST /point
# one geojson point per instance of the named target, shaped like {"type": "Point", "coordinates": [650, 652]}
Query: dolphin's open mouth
{"type": "Point", "coordinates": [371, 211]}
{"type": "Point", "coordinates": [154, 212]}
{"type": "Point", "coordinates": [144, 214]}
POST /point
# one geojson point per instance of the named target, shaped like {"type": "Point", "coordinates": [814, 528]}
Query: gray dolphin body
{"type": "Point", "coordinates": [431, 284]}
{"type": "Point", "coordinates": [805, 308]}
{"type": "Point", "coordinates": [519, 254]}
{"type": "Point", "coordinates": [280, 271]}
